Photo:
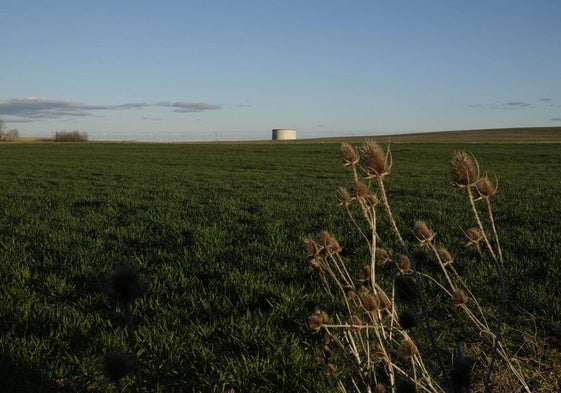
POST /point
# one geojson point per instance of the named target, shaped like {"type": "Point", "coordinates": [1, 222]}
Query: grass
{"type": "Point", "coordinates": [216, 231]}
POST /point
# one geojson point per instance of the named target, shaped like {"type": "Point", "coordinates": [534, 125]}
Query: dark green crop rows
{"type": "Point", "coordinates": [216, 231]}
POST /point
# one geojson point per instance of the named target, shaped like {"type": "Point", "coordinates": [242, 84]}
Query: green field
{"type": "Point", "coordinates": [216, 231]}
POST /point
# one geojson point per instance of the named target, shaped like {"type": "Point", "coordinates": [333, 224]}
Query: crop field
{"type": "Point", "coordinates": [216, 232]}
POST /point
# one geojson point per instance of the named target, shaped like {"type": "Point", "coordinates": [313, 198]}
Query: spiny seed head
{"type": "Point", "coordinates": [464, 170]}
{"type": "Point", "coordinates": [344, 197]}
{"type": "Point", "coordinates": [116, 365]}
{"type": "Point", "coordinates": [317, 320]}
{"type": "Point", "coordinates": [423, 233]}
{"type": "Point", "coordinates": [374, 160]}
{"type": "Point", "coordinates": [404, 264]}
{"type": "Point", "coordinates": [408, 348]}
{"type": "Point", "coordinates": [348, 155]}
{"type": "Point", "coordinates": [407, 320]}
{"type": "Point", "coordinates": [311, 247]}
{"type": "Point", "coordinates": [371, 302]}
{"type": "Point", "coordinates": [355, 320]}
{"type": "Point", "coordinates": [460, 297]}
{"type": "Point", "coordinates": [359, 189]}
{"type": "Point", "coordinates": [383, 255]}
{"type": "Point", "coordinates": [364, 291]}
{"type": "Point", "coordinates": [328, 242]}
{"type": "Point", "coordinates": [315, 266]}
{"type": "Point", "coordinates": [474, 236]}
{"type": "Point", "coordinates": [485, 188]}
{"type": "Point", "coordinates": [126, 285]}
{"type": "Point", "coordinates": [371, 200]}
{"type": "Point", "coordinates": [445, 256]}
{"type": "Point", "coordinates": [330, 370]}
{"type": "Point", "coordinates": [351, 294]}
{"type": "Point", "coordinates": [365, 274]}
{"type": "Point", "coordinates": [379, 388]}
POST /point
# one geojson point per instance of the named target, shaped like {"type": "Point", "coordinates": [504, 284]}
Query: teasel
{"type": "Point", "coordinates": [374, 161]}
{"type": "Point", "coordinates": [485, 188]}
{"type": "Point", "coordinates": [328, 242]}
{"type": "Point", "coordinates": [445, 256]}
{"type": "Point", "coordinates": [348, 155]}
{"type": "Point", "coordinates": [383, 255]}
{"type": "Point", "coordinates": [365, 274]}
{"type": "Point", "coordinates": [344, 197]}
{"type": "Point", "coordinates": [317, 320]}
{"type": "Point", "coordinates": [408, 348]}
{"type": "Point", "coordinates": [460, 297]}
{"type": "Point", "coordinates": [404, 264]}
{"type": "Point", "coordinates": [355, 320]}
{"type": "Point", "coordinates": [371, 303]}
{"type": "Point", "coordinates": [359, 189]}
{"type": "Point", "coordinates": [378, 355]}
{"type": "Point", "coordinates": [423, 233]}
{"type": "Point", "coordinates": [464, 170]}
{"type": "Point", "coordinates": [474, 237]}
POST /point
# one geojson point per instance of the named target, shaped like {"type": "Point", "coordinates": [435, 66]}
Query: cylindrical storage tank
{"type": "Point", "coordinates": [282, 134]}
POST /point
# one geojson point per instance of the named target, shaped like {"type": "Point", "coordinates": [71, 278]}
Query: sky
{"type": "Point", "coordinates": [191, 70]}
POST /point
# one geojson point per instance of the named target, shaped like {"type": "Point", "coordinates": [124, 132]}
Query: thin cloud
{"type": "Point", "coordinates": [545, 99]}
{"type": "Point", "coordinates": [189, 107]}
{"type": "Point", "coordinates": [151, 118]}
{"type": "Point", "coordinates": [555, 119]}
{"type": "Point", "coordinates": [512, 105]}
{"type": "Point", "coordinates": [35, 108]}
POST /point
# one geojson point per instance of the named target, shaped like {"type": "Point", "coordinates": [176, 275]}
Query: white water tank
{"type": "Point", "coordinates": [282, 134]}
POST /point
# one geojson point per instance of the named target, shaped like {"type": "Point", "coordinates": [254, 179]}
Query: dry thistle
{"type": "Point", "coordinates": [329, 242]}
{"type": "Point", "coordinates": [383, 255]}
{"type": "Point", "coordinates": [365, 274]}
{"type": "Point", "coordinates": [474, 236]}
{"type": "Point", "coordinates": [445, 256]}
{"type": "Point", "coordinates": [355, 320]}
{"type": "Point", "coordinates": [371, 302]}
{"type": "Point", "coordinates": [374, 160]}
{"type": "Point", "coordinates": [464, 170]}
{"type": "Point", "coordinates": [348, 155]}
{"type": "Point", "coordinates": [359, 189]}
{"type": "Point", "coordinates": [404, 264]}
{"type": "Point", "coordinates": [371, 200]}
{"type": "Point", "coordinates": [317, 320]}
{"type": "Point", "coordinates": [423, 233]}
{"type": "Point", "coordinates": [315, 266]}
{"type": "Point", "coordinates": [379, 388]}
{"type": "Point", "coordinates": [408, 348]}
{"type": "Point", "coordinates": [460, 297]}
{"type": "Point", "coordinates": [485, 188]}
{"type": "Point", "coordinates": [378, 355]}
{"type": "Point", "coordinates": [344, 197]}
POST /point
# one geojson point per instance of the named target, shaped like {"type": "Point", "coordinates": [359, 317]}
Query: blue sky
{"type": "Point", "coordinates": [235, 69]}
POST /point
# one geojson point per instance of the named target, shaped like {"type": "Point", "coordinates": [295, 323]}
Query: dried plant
{"type": "Point", "coordinates": [386, 330]}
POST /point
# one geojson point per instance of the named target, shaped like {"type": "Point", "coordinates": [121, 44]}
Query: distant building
{"type": "Point", "coordinates": [282, 134]}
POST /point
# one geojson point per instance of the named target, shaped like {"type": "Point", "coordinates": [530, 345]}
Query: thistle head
{"type": "Point", "coordinates": [344, 197]}
{"type": "Point", "coordinates": [404, 264]}
{"type": "Point", "coordinates": [374, 160]}
{"type": "Point", "coordinates": [474, 237]}
{"type": "Point", "coordinates": [365, 274]}
{"type": "Point", "coordinates": [371, 303]}
{"type": "Point", "coordinates": [408, 348]}
{"type": "Point", "coordinates": [317, 320]}
{"type": "Point", "coordinates": [485, 188]}
{"type": "Point", "coordinates": [460, 297]}
{"type": "Point", "coordinates": [348, 155]}
{"type": "Point", "coordinates": [464, 170]}
{"type": "Point", "coordinates": [423, 233]}
{"type": "Point", "coordinates": [445, 256]}
{"type": "Point", "coordinates": [383, 255]}
{"type": "Point", "coordinates": [359, 190]}
{"type": "Point", "coordinates": [328, 242]}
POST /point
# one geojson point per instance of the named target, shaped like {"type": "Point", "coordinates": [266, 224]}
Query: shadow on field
{"type": "Point", "coordinates": [18, 377]}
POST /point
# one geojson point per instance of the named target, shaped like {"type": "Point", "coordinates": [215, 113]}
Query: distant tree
{"type": "Point", "coordinates": [71, 136]}
{"type": "Point", "coordinates": [12, 135]}
{"type": "Point", "coordinates": [1, 130]}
